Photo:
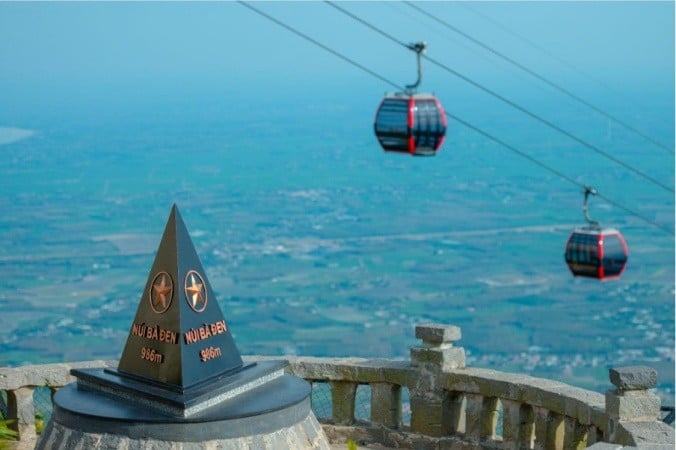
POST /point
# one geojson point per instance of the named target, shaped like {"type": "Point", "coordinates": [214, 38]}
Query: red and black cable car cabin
{"type": "Point", "coordinates": [596, 253]}
{"type": "Point", "coordinates": [410, 123]}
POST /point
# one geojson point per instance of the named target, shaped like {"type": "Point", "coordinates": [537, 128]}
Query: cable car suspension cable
{"type": "Point", "coordinates": [452, 116]}
{"type": "Point", "coordinates": [507, 101]}
{"type": "Point", "coordinates": [548, 53]}
{"type": "Point", "coordinates": [556, 172]}
{"type": "Point", "coordinates": [319, 44]}
{"type": "Point", "coordinates": [540, 77]}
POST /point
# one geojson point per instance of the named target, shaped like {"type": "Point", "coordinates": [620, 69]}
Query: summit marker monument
{"type": "Point", "coordinates": [179, 338]}
{"type": "Point", "coordinates": [181, 381]}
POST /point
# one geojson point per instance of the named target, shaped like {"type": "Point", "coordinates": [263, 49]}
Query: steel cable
{"type": "Point", "coordinates": [540, 77]}
{"type": "Point", "coordinates": [509, 102]}
{"type": "Point", "coordinates": [452, 116]}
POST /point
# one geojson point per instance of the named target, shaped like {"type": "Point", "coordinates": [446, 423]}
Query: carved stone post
{"type": "Point", "coordinates": [555, 431]}
{"type": "Point", "coordinates": [489, 417]}
{"type": "Point", "coordinates": [594, 435]}
{"type": "Point", "coordinates": [541, 424]}
{"type": "Point", "coordinates": [575, 436]}
{"type": "Point", "coordinates": [630, 401]}
{"type": "Point", "coordinates": [473, 411]}
{"type": "Point", "coordinates": [20, 408]}
{"type": "Point", "coordinates": [527, 423]}
{"type": "Point", "coordinates": [456, 411]}
{"type": "Point", "coordinates": [430, 408]}
{"type": "Point", "coordinates": [511, 424]}
{"type": "Point", "coordinates": [343, 394]}
{"type": "Point", "coordinates": [386, 404]}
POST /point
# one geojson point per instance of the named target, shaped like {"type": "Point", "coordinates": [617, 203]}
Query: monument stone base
{"type": "Point", "coordinates": [276, 414]}
{"type": "Point", "coordinates": [181, 382]}
{"type": "Point", "coordinates": [305, 434]}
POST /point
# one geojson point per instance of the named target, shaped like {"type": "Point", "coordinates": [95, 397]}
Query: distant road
{"type": "Point", "coordinates": [148, 249]}
{"type": "Point", "coordinates": [443, 234]}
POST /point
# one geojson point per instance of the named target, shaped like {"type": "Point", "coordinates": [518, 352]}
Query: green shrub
{"type": "Point", "coordinates": [39, 422]}
{"type": "Point", "coordinates": [6, 433]}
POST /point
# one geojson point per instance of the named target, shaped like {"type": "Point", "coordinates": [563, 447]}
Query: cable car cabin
{"type": "Point", "coordinates": [414, 124]}
{"type": "Point", "coordinates": [596, 253]}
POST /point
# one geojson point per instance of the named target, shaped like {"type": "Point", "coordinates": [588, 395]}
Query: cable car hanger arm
{"type": "Point", "coordinates": [419, 49]}
{"type": "Point", "coordinates": [585, 209]}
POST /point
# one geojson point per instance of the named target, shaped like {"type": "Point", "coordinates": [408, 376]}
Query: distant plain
{"type": "Point", "coordinates": [318, 243]}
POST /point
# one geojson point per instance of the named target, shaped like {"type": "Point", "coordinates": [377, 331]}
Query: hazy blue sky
{"type": "Point", "coordinates": [126, 48]}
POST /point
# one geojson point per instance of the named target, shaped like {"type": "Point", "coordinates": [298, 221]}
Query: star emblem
{"type": "Point", "coordinates": [195, 291]}
{"type": "Point", "coordinates": [161, 292]}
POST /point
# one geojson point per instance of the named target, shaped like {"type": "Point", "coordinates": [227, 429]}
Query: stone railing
{"type": "Point", "coordinates": [451, 406]}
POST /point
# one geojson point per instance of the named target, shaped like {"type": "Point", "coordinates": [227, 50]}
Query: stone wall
{"type": "Point", "coordinates": [451, 406]}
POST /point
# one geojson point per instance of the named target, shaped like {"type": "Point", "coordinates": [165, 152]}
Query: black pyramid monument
{"type": "Point", "coordinates": [181, 382]}
{"type": "Point", "coordinates": [179, 337]}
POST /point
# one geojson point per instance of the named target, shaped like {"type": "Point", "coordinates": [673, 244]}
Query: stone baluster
{"type": "Point", "coordinates": [473, 410]}
{"type": "Point", "coordinates": [490, 412]}
{"type": "Point", "coordinates": [455, 407]}
{"type": "Point", "coordinates": [430, 409]}
{"type": "Point", "coordinates": [527, 424]}
{"type": "Point", "coordinates": [555, 431]}
{"type": "Point", "coordinates": [21, 411]}
{"type": "Point", "coordinates": [630, 401]}
{"type": "Point", "coordinates": [343, 394]}
{"type": "Point", "coordinates": [575, 434]}
{"type": "Point", "coordinates": [549, 429]}
{"type": "Point", "coordinates": [594, 435]}
{"type": "Point", "coordinates": [511, 424]}
{"type": "Point", "coordinates": [386, 404]}
{"type": "Point", "coordinates": [482, 417]}
{"type": "Point", "coordinates": [541, 415]}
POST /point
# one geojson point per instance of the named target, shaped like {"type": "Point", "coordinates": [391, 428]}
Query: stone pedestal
{"type": "Point", "coordinates": [274, 415]}
{"type": "Point", "coordinates": [432, 412]}
{"type": "Point", "coordinates": [631, 403]}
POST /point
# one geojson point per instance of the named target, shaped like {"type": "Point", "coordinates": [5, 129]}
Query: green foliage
{"type": "Point", "coordinates": [6, 433]}
{"type": "Point", "coordinates": [351, 445]}
{"type": "Point", "coordinates": [39, 422]}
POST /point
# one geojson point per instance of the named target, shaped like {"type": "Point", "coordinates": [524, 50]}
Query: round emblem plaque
{"type": "Point", "coordinates": [161, 292]}
{"type": "Point", "coordinates": [195, 291]}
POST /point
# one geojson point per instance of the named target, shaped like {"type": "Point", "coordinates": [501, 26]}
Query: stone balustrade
{"type": "Point", "coordinates": [451, 406]}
